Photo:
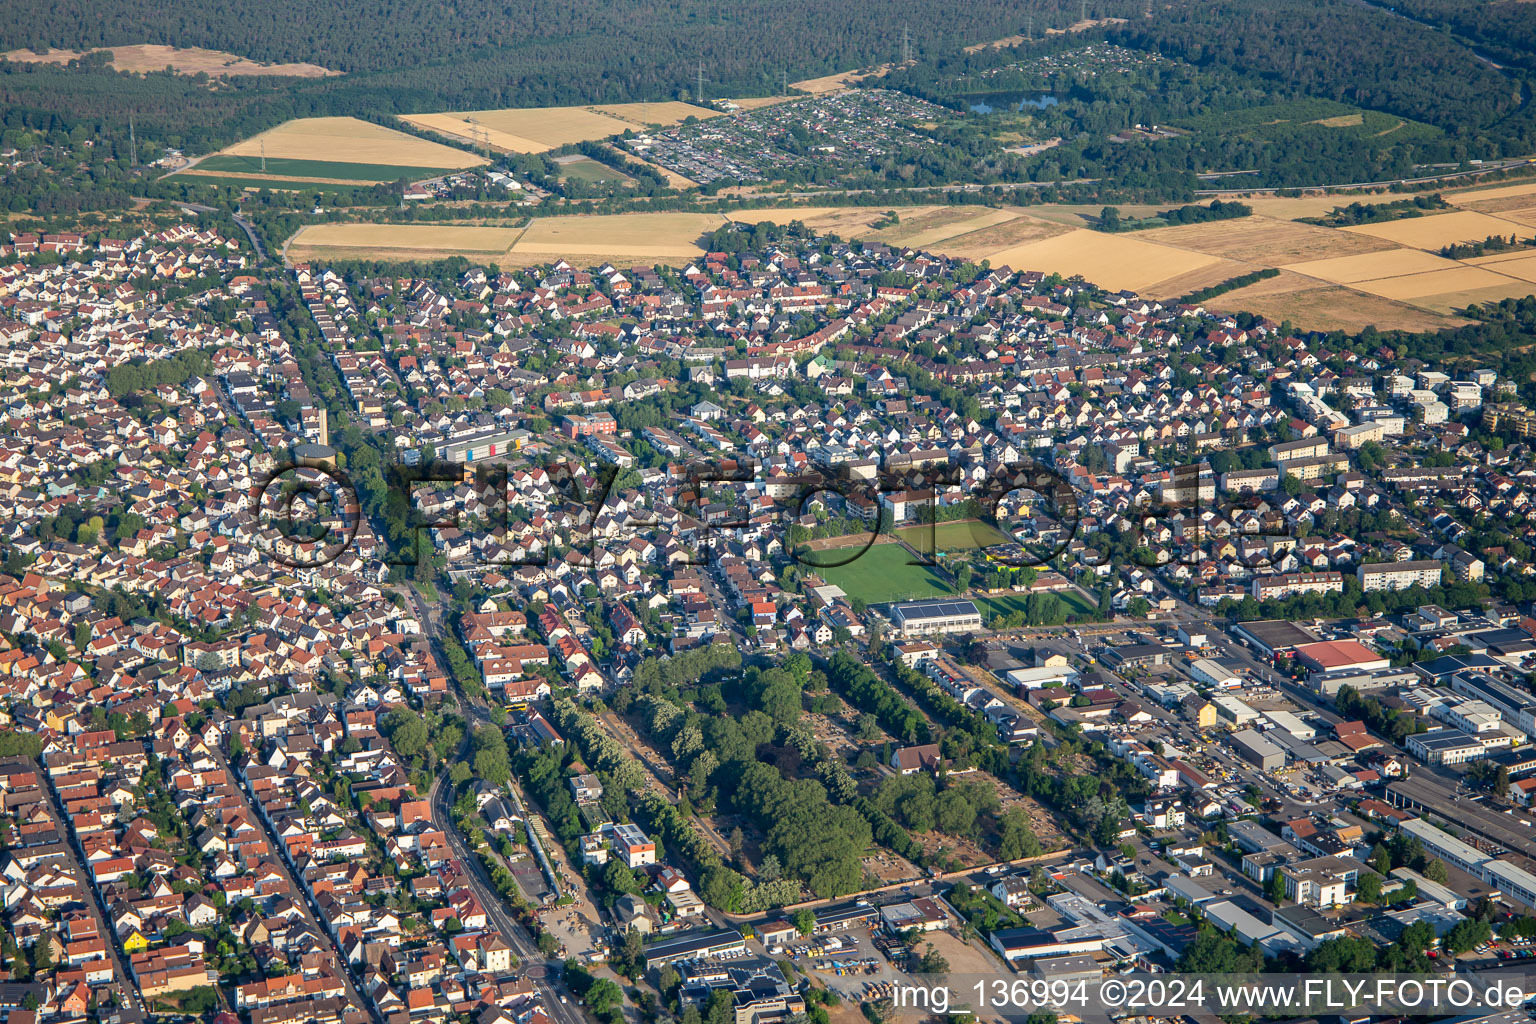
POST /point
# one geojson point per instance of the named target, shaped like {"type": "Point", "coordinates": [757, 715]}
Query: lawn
{"type": "Point", "coordinates": [334, 169]}
{"type": "Point", "coordinates": [427, 590]}
{"type": "Point", "coordinates": [1002, 604]}
{"type": "Point", "coordinates": [881, 574]}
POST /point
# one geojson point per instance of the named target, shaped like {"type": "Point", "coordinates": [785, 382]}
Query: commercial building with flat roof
{"type": "Point", "coordinates": [692, 946]}
{"type": "Point", "coordinates": [1511, 881]}
{"type": "Point", "coordinates": [1273, 636]}
{"type": "Point", "coordinates": [946, 616]}
{"type": "Point", "coordinates": [1445, 746]}
{"type": "Point", "coordinates": [1332, 656]}
{"type": "Point", "coordinates": [1257, 750]}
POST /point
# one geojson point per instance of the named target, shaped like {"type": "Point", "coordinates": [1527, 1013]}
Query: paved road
{"type": "Point", "coordinates": [304, 900]}
{"type": "Point", "coordinates": [132, 1003]}
{"type": "Point", "coordinates": [245, 225]}
{"type": "Point", "coordinates": [514, 934]}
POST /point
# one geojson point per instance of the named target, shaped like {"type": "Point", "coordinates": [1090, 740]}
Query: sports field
{"type": "Point", "coordinates": [880, 575]}
{"type": "Point", "coordinates": [584, 168]}
{"type": "Point", "coordinates": [540, 129]}
{"type": "Point", "coordinates": [964, 535]}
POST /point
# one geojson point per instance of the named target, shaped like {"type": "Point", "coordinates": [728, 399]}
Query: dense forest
{"type": "Point", "coordinates": [1300, 91]}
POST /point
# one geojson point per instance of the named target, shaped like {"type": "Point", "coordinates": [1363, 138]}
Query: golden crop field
{"type": "Point", "coordinates": [844, 221]}
{"type": "Point", "coordinates": [981, 243]}
{"type": "Point", "coordinates": [665, 113]}
{"type": "Point", "coordinates": [349, 140]}
{"type": "Point", "coordinates": [540, 129]}
{"type": "Point", "coordinates": [1437, 230]}
{"type": "Point", "coordinates": [931, 230]}
{"type": "Point", "coordinates": [647, 236]}
{"type": "Point", "coordinates": [1264, 241]}
{"type": "Point", "coordinates": [1371, 266]}
{"type": "Point", "coordinates": [1525, 217]}
{"type": "Point", "coordinates": [1112, 261]}
{"type": "Point", "coordinates": [1493, 192]}
{"type": "Point", "coordinates": [407, 241]}
{"type": "Point", "coordinates": [1290, 208]}
{"type": "Point", "coordinates": [1326, 307]}
{"type": "Point", "coordinates": [1201, 277]}
{"type": "Point", "coordinates": [758, 102]}
{"type": "Point", "coordinates": [1420, 287]}
{"type": "Point", "coordinates": [147, 57]}
{"type": "Point", "coordinates": [1520, 265]}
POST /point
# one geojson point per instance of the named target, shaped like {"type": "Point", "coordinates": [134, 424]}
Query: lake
{"type": "Point", "coordinates": [1012, 101]}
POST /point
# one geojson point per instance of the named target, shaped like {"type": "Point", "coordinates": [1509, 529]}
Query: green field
{"type": "Point", "coordinates": [964, 535]}
{"type": "Point", "coordinates": [1290, 119]}
{"type": "Point", "coordinates": [587, 169]}
{"type": "Point", "coordinates": [289, 168]}
{"type": "Point", "coordinates": [1002, 604]}
{"type": "Point", "coordinates": [276, 185]}
{"type": "Point", "coordinates": [880, 575]}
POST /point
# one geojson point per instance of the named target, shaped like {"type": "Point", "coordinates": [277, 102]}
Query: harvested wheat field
{"type": "Point", "coordinates": [1310, 206]}
{"type": "Point", "coordinates": [148, 57]}
{"type": "Point", "coordinates": [928, 230]}
{"type": "Point", "coordinates": [844, 221]}
{"type": "Point", "coordinates": [1479, 195]}
{"type": "Point", "coordinates": [1111, 261]}
{"type": "Point", "coordinates": [1264, 241]}
{"type": "Point", "coordinates": [402, 241]}
{"type": "Point", "coordinates": [1524, 217]}
{"type": "Point", "coordinates": [983, 242]}
{"type": "Point", "coordinates": [1372, 266]}
{"type": "Point", "coordinates": [539, 129]}
{"type": "Point", "coordinates": [1436, 230]}
{"type": "Point", "coordinates": [628, 236]}
{"type": "Point", "coordinates": [1520, 265]}
{"type": "Point", "coordinates": [348, 140]}
{"type": "Point", "coordinates": [1311, 306]}
{"type": "Point", "coordinates": [758, 102]}
{"type": "Point", "coordinates": [1201, 277]}
{"type": "Point", "coordinates": [665, 113]}
{"type": "Point", "coordinates": [837, 82]}
{"type": "Point", "coordinates": [1423, 289]}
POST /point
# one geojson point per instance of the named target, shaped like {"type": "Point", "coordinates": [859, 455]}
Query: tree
{"type": "Point", "coordinates": [1016, 838]}
{"type": "Point", "coordinates": [603, 996]}
{"type": "Point", "coordinates": [933, 962]}
{"type": "Point", "coordinates": [1368, 889]}
{"type": "Point", "coordinates": [42, 954]}
{"type": "Point", "coordinates": [492, 761]}
{"type": "Point", "coordinates": [804, 920]}
{"type": "Point", "coordinates": [1436, 871]}
{"type": "Point", "coordinates": [1276, 890]}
